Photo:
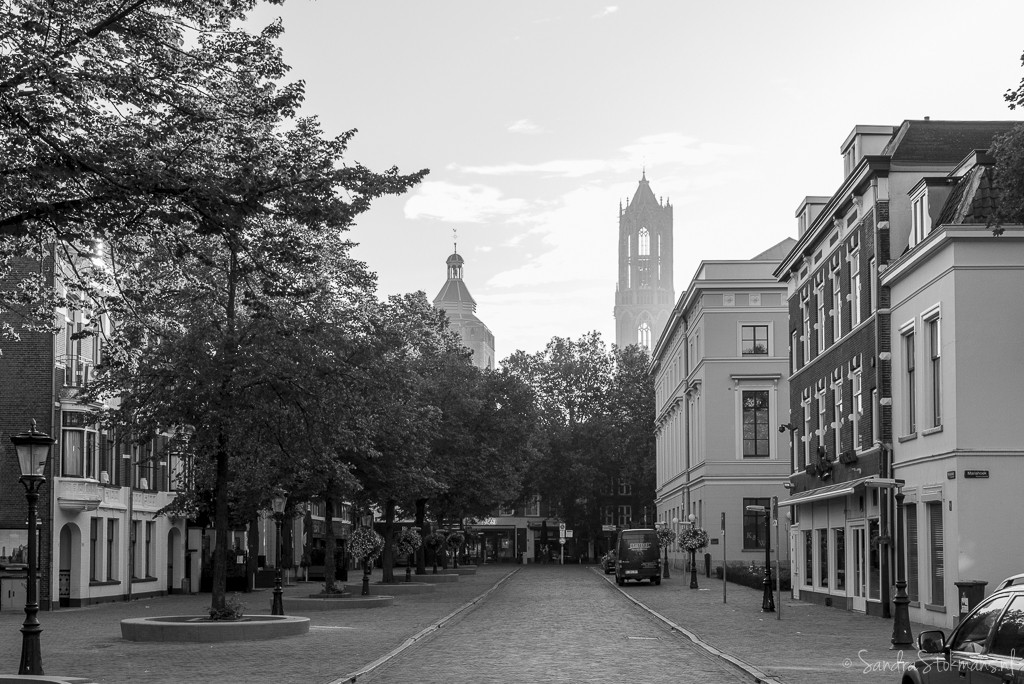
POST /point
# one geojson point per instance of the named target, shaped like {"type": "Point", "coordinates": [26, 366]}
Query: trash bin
{"type": "Point", "coordinates": [969, 594]}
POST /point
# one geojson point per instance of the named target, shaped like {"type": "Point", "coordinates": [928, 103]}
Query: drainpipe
{"type": "Point", "coordinates": [884, 454]}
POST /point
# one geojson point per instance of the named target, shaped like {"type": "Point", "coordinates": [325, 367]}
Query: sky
{"type": "Point", "coordinates": [536, 120]}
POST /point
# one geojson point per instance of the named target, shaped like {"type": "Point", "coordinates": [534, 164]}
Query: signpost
{"type": "Point", "coordinates": [561, 543]}
{"type": "Point", "coordinates": [724, 564]}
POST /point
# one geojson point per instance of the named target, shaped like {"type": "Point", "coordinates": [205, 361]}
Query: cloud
{"type": "Point", "coordinates": [663, 149]}
{"type": "Point", "coordinates": [524, 126]}
{"type": "Point", "coordinates": [453, 203]}
{"type": "Point", "coordinates": [607, 11]}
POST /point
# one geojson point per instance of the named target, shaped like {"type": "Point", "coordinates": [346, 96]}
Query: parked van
{"type": "Point", "coordinates": [639, 557]}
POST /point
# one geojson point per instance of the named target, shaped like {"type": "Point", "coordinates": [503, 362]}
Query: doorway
{"type": "Point", "coordinates": [858, 567]}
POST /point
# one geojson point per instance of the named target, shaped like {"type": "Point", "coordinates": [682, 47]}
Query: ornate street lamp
{"type": "Point", "coordinates": [693, 555]}
{"type": "Point", "coordinates": [768, 599]}
{"type": "Point", "coordinates": [901, 635]}
{"type": "Point", "coordinates": [33, 449]}
{"type": "Point", "coordinates": [278, 502]}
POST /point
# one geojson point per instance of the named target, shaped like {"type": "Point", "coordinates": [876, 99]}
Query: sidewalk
{"type": "Point", "coordinates": [810, 642]}
{"type": "Point", "coordinates": [86, 642]}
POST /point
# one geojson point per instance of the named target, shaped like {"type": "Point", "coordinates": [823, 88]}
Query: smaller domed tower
{"type": "Point", "coordinates": [454, 299]}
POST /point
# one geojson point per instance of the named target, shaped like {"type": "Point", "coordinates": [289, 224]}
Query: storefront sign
{"type": "Point", "coordinates": [950, 474]}
{"type": "Point", "coordinates": [976, 474]}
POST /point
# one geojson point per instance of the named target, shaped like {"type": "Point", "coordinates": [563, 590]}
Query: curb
{"type": "Point", "coordinates": [426, 631]}
{"type": "Point", "coordinates": [759, 676]}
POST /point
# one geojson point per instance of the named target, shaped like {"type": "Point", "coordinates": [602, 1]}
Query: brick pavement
{"type": "Point", "coordinates": [552, 623]}
{"type": "Point", "coordinates": [808, 642]}
{"type": "Point", "coordinates": [87, 642]}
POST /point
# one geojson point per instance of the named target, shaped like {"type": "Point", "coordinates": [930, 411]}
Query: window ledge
{"type": "Point", "coordinates": [935, 608]}
{"type": "Point", "coordinates": [139, 580]}
{"type": "Point", "coordinates": [931, 430]}
{"type": "Point", "coordinates": [907, 438]}
{"type": "Point", "coordinates": [915, 604]}
{"type": "Point", "coordinates": [106, 583]}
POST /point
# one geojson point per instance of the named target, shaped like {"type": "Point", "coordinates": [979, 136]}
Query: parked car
{"type": "Point", "coordinates": [639, 556]}
{"type": "Point", "coordinates": [987, 645]}
{"type": "Point", "coordinates": [608, 562]}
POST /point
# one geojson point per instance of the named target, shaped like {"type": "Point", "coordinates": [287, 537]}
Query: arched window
{"type": "Point", "coordinates": [643, 335]}
{"type": "Point", "coordinates": [645, 243]}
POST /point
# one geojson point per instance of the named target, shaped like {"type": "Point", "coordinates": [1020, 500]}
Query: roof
{"type": "Point", "coordinates": [454, 293]}
{"type": "Point", "coordinates": [643, 192]}
{"type": "Point", "coordinates": [776, 252]}
{"type": "Point", "coordinates": [942, 142]}
{"type": "Point", "coordinates": [973, 200]}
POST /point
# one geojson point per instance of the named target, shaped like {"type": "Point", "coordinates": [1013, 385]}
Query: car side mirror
{"type": "Point", "coordinates": [933, 641]}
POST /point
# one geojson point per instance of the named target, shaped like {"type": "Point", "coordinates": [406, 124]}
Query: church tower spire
{"type": "Point", "coordinates": [644, 296]}
{"type": "Point", "coordinates": [460, 307]}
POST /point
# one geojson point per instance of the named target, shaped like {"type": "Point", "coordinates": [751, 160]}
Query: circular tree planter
{"type": "Point", "coordinates": [318, 602]}
{"type": "Point", "coordinates": [199, 628]}
{"type": "Point", "coordinates": [464, 570]}
{"type": "Point", "coordinates": [401, 588]}
{"type": "Point", "coordinates": [45, 679]}
{"type": "Point", "coordinates": [435, 579]}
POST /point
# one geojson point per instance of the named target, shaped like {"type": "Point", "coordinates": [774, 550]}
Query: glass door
{"type": "Point", "coordinates": [858, 567]}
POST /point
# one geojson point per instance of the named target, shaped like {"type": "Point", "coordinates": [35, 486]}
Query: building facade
{"type": "Point", "coordinates": [454, 299]}
{"type": "Point", "coordinates": [956, 370]}
{"type": "Point", "coordinates": [644, 295]}
{"type": "Point", "coordinates": [720, 387]}
{"type": "Point", "coordinates": [840, 418]}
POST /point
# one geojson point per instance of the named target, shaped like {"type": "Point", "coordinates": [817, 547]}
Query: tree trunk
{"type": "Point", "coordinates": [220, 546]}
{"type": "Point", "coordinates": [387, 556]}
{"type": "Point", "coordinates": [329, 565]}
{"type": "Point", "coordinates": [252, 540]}
{"type": "Point", "coordinates": [421, 523]}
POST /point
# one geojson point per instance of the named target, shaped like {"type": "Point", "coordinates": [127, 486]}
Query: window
{"type": "Point", "coordinates": [805, 310]}
{"type": "Point", "coordinates": [94, 549]}
{"type": "Point", "coordinates": [793, 359]}
{"type": "Point", "coordinates": [936, 557]}
{"type": "Point", "coordinates": [1008, 639]}
{"type": "Point", "coordinates": [150, 548]}
{"type": "Point", "coordinates": [839, 555]}
{"type": "Point", "coordinates": [910, 516]}
{"type": "Point", "coordinates": [856, 381]}
{"type": "Point", "coordinates": [820, 292]}
{"type": "Point", "coordinates": [873, 304]}
{"type": "Point", "coordinates": [78, 446]}
{"type": "Point", "coordinates": [876, 428]}
{"type": "Point", "coordinates": [973, 632]}
{"type": "Point", "coordinates": [909, 379]}
{"type": "Point", "coordinates": [855, 286]}
{"type": "Point", "coordinates": [505, 511]}
{"type": "Point", "coordinates": [837, 307]}
{"type": "Point", "coordinates": [934, 371]}
{"type": "Point", "coordinates": [643, 335]}
{"type": "Point", "coordinates": [807, 432]}
{"type": "Point", "coordinates": [917, 220]}
{"type": "Point", "coordinates": [754, 340]}
{"type": "Point", "coordinates": [823, 557]}
{"type": "Point", "coordinates": [756, 432]}
{"type": "Point", "coordinates": [822, 425]}
{"type": "Point", "coordinates": [644, 242]}
{"type": "Point", "coordinates": [625, 515]}
{"type": "Point", "coordinates": [609, 515]}
{"type": "Point", "coordinates": [533, 506]}
{"type": "Point", "coordinates": [111, 549]}
{"type": "Point", "coordinates": [808, 559]}
{"type": "Point", "coordinates": [625, 488]}
{"type": "Point", "coordinates": [132, 546]}
{"type": "Point", "coordinates": [753, 523]}
{"type": "Point", "coordinates": [837, 398]}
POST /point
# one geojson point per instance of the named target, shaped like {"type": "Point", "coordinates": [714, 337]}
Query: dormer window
{"type": "Point", "coordinates": [918, 217]}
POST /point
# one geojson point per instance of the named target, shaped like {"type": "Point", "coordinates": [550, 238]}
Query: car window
{"type": "Point", "coordinates": [974, 631]}
{"type": "Point", "coordinates": [1009, 636]}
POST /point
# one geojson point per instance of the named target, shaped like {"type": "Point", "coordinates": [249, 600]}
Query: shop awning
{"type": "Point", "coordinates": [838, 489]}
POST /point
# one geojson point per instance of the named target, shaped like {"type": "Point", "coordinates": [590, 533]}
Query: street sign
{"type": "Point", "coordinates": [562, 540]}
{"type": "Point", "coordinates": [561, 527]}
{"type": "Point", "coordinates": [975, 474]}
{"type": "Point", "coordinates": [607, 528]}
{"type": "Point", "coordinates": [568, 534]}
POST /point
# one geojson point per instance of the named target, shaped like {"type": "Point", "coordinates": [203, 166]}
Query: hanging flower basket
{"type": "Point", "coordinates": [365, 544]}
{"type": "Point", "coordinates": [693, 539]}
{"type": "Point", "coordinates": [665, 537]}
{"type": "Point", "coordinates": [454, 540]}
{"type": "Point", "coordinates": [434, 541]}
{"type": "Point", "coordinates": [408, 541]}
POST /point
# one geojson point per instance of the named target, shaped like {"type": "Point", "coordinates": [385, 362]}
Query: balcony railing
{"type": "Point", "coordinates": [78, 495]}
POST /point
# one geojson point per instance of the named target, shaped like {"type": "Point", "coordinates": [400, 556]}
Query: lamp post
{"type": "Point", "coordinates": [675, 529]}
{"type": "Point", "coordinates": [768, 600]}
{"type": "Point", "coordinates": [901, 635]}
{"type": "Point", "coordinates": [33, 449]}
{"type": "Point", "coordinates": [278, 502]}
{"type": "Point", "coordinates": [664, 566]}
{"type": "Point", "coordinates": [693, 555]}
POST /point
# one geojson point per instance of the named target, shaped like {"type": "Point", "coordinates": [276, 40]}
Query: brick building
{"type": "Point", "coordinates": [840, 417]}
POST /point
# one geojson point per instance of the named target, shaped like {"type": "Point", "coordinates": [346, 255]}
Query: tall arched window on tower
{"type": "Point", "coordinates": [645, 243]}
{"type": "Point", "coordinates": [643, 335]}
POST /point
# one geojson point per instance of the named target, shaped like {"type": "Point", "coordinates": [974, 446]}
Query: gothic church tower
{"type": "Point", "coordinates": [644, 295]}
